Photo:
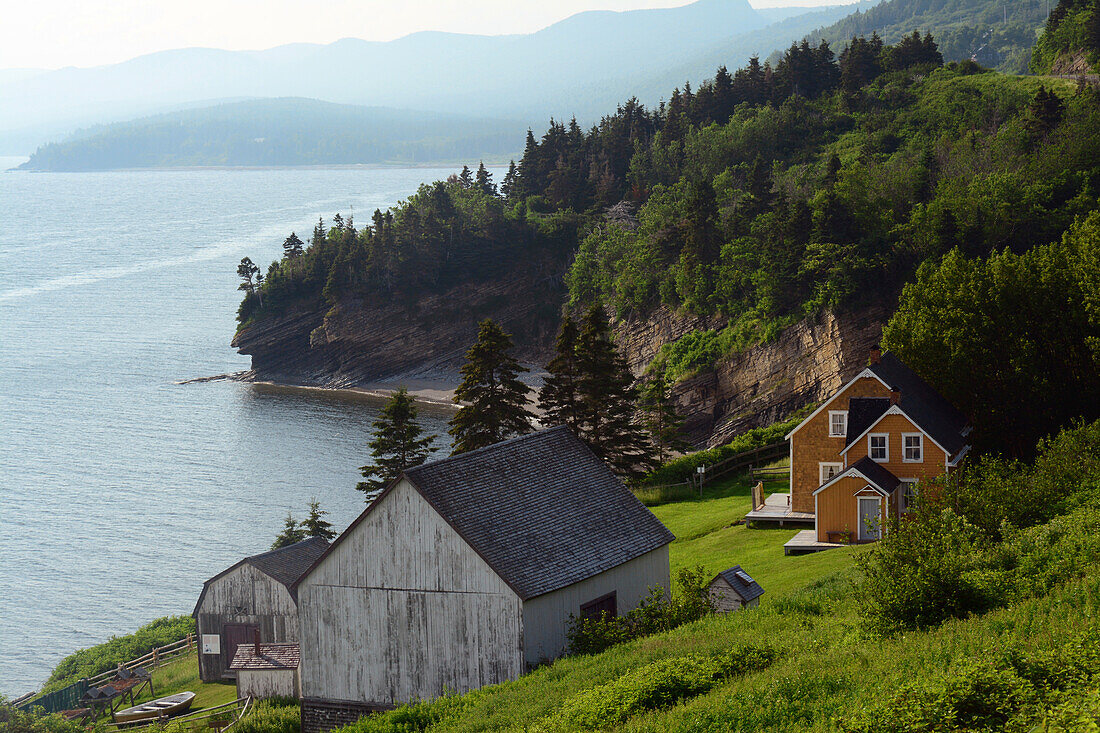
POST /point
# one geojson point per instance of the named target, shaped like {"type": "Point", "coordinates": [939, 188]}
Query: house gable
{"type": "Point", "coordinates": [896, 424]}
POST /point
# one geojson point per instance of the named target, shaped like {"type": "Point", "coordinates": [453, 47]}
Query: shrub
{"type": "Point", "coordinates": [18, 721]}
{"type": "Point", "coordinates": [413, 717]}
{"type": "Point", "coordinates": [271, 716]}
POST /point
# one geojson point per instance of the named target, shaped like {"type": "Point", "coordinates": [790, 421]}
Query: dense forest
{"type": "Point", "coordinates": [267, 132]}
{"type": "Point", "coordinates": [1073, 27]}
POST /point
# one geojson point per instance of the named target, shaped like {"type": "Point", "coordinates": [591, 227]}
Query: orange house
{"type": "Point", "coordinates": [855, 460]}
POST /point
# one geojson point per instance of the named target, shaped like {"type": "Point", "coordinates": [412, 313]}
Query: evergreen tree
{"type": "Point", "coordinates": [661, 420]}
{"type": "Point", "coordinates": [607, 400]}
{"type": "Point", "coordinates": [293, 247]}
{"type": "Point", "coordinates": [314, 525]}
{"type": "Point", "coordinates": [495, 399]}
{"type": "Point", "coordinates": [292, 532]}
{"type": "Point", "coordinates": [466, 178]}
{"type": "Point", "coordinates": [484, 180]}
{"type": "Point", "coordinates": [1045, 112]}
{"type": "Point", "coordinates": [508, 185]}
{"type": "Point", "coordinates": [396, 445]}
{"type": "Point", "coordinates": [251, 278]}
{"type": "Point", "coordinates": [559, 397]}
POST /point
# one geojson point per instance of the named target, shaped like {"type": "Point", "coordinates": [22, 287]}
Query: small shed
{"type": "Point", "coordinates": [465, 572]}
{"type": "Point", "coordinates": [249, 597]}
{"type": "Point", "coordinates": [273, 672]}
{"type": "Point", "coordinates": [732, 589]}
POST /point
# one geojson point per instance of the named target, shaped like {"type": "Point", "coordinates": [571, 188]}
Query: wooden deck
{"type": "Point", "coordinates": [777, 508]}
{"type": "Point", "coordinates": [805, 542]}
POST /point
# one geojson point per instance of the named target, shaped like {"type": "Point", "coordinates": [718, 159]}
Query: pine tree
{"type": "Point", "coordinates": [251, 278]}
{"type": "Point", "coordinates": [292, 532]}
{"type": "Point", "coordinates": [608, 399]}
{"type": "Point", "coordinates": [508, 185]}
{"type": "Point", "coordinates": [559, 398]}
{"type": "Point", "coordinates": [466, 178]}
{"type": "Point", "coordinates": [495, 399]}
{"type": "Point", "coordinates": [484, 181]}
{"type": "Point", "coordinates": [661, 420]}
{"type": "Point", "coordinates": [293, 247]}
{"type": "Point", "coordinates": [314, 525]}
{"type": "Point", "coordinates": [396, 445]}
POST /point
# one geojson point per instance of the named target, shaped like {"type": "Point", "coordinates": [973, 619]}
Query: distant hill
{"type": "Point", "coordinates": [581, 66]}
{"type": "Point", "coordinates": [995, 33]}
{"type": "Point", "coordinates": [281, 132]}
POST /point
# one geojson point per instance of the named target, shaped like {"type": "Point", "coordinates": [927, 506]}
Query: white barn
{"type": "Point", "coordinates": [464, 573]}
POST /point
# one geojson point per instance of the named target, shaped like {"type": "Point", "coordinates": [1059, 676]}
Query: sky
{"type": "Point", "coordinates": [50, 34]}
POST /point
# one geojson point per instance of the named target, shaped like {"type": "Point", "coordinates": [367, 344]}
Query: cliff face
{"type": "Point", "coordinates": [357, 343]}
{"type": "Point", "coordinates": [806, 363]}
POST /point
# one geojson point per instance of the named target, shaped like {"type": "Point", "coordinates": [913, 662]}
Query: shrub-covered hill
{"type": "Point", "coordinates": [1070, 43]}
{"type": "Point", "coordinates": [995, 34]}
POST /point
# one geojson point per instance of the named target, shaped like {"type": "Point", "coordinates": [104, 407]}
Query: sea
{"type": "Point", "coordinates": [121, 489]}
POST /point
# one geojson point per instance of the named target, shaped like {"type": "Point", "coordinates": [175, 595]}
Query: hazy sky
{"type": "Point", "coordinates": [55, 33]}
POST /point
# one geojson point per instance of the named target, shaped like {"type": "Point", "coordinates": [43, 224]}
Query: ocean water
{"type": "Point", "coordinates": [121, 491]}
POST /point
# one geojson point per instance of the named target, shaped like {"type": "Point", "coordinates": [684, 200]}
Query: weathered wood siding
{"type": "Point", "coordinates": [244, 596]}
{"type": "Point", "coordinates": [263, 683]}
{"type": "Point", "coordinates": [404, 609]}
{"type": "Point", "coordinates": [724, 598]}
{"type": "Point", "coordinates": [812, 444]}
{"type": "Point", "coordinates": [546, 618]}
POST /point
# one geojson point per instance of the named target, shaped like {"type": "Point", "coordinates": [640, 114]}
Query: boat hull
{"type": "Point", "coordinates": [161, 707]}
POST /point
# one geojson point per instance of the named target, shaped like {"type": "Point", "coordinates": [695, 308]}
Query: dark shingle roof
{"type": "Point", "coordinates": [877, 474]}
{"type": "Point", "coordinates": [927, 407]}
{"type": "Point", "coordinates": [287, 564]}
{"type": "Point", "coordinates": [272, 656]}
{"type": "Point", "coordinates": [862, 413]}
{"type": "Point", "coordinates": [542, 510]}
{"type": "Point", "coordinates": [743, 583]}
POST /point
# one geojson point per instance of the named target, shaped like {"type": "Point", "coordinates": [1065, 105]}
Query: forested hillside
{"type": "Point", "coordinates": [1070, 43]}
{"type": "Point", "coordinates": [993, 33]}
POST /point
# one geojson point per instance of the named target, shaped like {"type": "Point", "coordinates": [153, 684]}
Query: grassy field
{"type": "Point", "coordinates": [182, 675]}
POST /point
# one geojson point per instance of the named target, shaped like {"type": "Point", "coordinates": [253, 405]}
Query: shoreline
{"type": "Point", "coordinates": [437, 393]}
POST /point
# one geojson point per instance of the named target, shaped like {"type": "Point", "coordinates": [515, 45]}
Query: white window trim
{"type": "Point", "coordinates": [878, 435]}
{"type": "Point", "coordinates": [904, 459]}
{"type": "Point", "coordinates": [822, 465]}
{"type": "Point", "coordinates": [910, 484]}
{"type": "Point", "coordinates": [838, 412]}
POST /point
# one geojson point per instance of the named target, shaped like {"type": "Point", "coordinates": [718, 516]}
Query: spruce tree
{"type": "Point", "coordinates": [608, 400]}
{"type": "Point", "coordinates": [292, 532]}
{"type": "Point", "coordinates": [494, 400]}
{"type": "Point", "coordinates": [661, 420]}
{"type": "Point", "coordinates": [466, 178]}
{"type": "Point", "coordinates": [314, 525]}
{"type": "Point", "coordinates": [397, 444]}
{"type": "Point", "coordinates": [559, 397]}
{"type": "Point", "coordinates": [508, 185]}
{"type": "Point", "coordinates": [484, 180]}
{"type": "Point", "coordinates": [293, 247]}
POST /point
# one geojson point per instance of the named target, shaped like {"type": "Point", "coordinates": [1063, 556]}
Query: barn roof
{"type": "Point", "coordinates": [284, 565]}
{"type": "Point", "coordinates": [742, 583]}
{"type": "Point", "coordinates": [271, 656]}
{"type": "Point", "coordinates": [541, 509]}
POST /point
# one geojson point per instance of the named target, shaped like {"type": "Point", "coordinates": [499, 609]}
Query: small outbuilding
{"type": "Point", "coordinates": [250, 597]}
{"type": "Point", "coordinates": [273, 672]}
{"type": "Point", "coordinates": [465, 572]}
{"type": "Point", "coordinates": [733, 589]}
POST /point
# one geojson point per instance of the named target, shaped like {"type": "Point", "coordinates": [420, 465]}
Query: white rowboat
{"type": "Point", "coordinates": [161, 707]}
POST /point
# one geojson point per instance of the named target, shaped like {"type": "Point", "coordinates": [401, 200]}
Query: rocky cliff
{"type": "Point", "coordinates": [763, 384]}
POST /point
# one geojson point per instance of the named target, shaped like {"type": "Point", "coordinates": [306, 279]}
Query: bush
{"type": "Point", "coordinates": [271, 716]}
{"type": "Point", "coordinates": [656, 613]}
{"type": "Point", "coordinates": [413, 717]}
{"type": "Point", "coordinates": [108, 655]}
{"type": "Point", "coordinates": [18, 721]}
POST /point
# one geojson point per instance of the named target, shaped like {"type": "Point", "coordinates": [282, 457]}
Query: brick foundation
{"type": "Point", "coordinates": [321, 716]}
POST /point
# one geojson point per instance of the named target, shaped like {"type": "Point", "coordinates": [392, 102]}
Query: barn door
{"type": "Point", "coordinates": [233, 635]}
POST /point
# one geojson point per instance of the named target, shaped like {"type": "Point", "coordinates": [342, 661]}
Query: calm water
{"type": "Point", "coordinates": [121, 491]}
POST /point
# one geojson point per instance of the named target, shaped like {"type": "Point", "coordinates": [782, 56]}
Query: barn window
{"type": "Point", "coordinates": [597, 608]}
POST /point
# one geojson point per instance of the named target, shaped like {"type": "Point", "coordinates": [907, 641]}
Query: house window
{"type": "Point", "coordinates": [908, 493]}
{"type": "Point", "coordinates": [914, 447]}
{"type": "Point", "coordinates": [878, 447]}
{"type": "Point", "coordinates": [838, 423]}
{"type": "Point", "coordinates": [595, 609]}
{"type": "Point", "coordinates": [827, 470]}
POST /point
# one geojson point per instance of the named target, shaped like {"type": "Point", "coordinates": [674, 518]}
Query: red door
{"type": "Point", "coordinates": [233, 635]}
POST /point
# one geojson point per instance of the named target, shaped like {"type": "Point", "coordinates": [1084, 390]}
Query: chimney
{"type": "Point", "coordinates": [895, 396]}
{"type": "Point", "coordinates": [256, 648]}
{"type": "Point", "coordinates": [875, 356]}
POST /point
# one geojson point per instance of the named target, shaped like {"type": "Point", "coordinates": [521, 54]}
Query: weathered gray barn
{"type": "Point", "coordinates": [273, 672]}
{"type": "Point", "coordinates": [731, 589]}
{"type": "Point", "coordinates": [252, 595]}
{"type": "Point", "coordinates": [464, 573]}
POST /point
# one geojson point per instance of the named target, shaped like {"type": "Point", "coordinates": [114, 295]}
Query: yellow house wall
{"type": "Point", "coordinates": [838, 508]}
{"type": "Point", "coordinates": [933, 465]}
{"type": "Point", "coordinates": [812, 445]}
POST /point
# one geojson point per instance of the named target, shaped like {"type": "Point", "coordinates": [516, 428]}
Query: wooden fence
{"type": "Point", "coordinates": [235, 710]}
{"type": "Point", "coordinates": [68, 697]}
{"type": "Point", "coordinates": [747, 459]}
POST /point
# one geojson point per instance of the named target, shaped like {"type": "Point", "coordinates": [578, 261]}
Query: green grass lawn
{"type": "Point", "coordinates": [182, 675]}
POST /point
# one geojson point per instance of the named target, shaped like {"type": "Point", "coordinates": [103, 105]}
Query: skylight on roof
{"type": "Point", "coordinates": [744, 576]}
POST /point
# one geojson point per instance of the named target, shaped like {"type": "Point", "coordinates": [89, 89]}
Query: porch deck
{"type": "Point", "coordinates": [777, 508]}
{"type": "Point", "coordinates": [806, 542]}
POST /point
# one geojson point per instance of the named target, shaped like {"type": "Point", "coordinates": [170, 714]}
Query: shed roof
{"type": "Point", "coordinates": [922, 404]}
{"type": "Point", "coordinates": [742, 582]}
{"type": "Point", "coordinates": [541, 509]}
{"type": "Point", "coordinates": [284, 565]}
{"type": "Point", "coordinates": [272, 656]}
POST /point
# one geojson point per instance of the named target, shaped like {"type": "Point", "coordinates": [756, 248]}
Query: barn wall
{"type": "Point", "coordinates": [262, 601]}
{"type": "Point", "coordinates": [262, 683]}
{"type": "Point", "coordinates": [723, 596]}
{"type": "Point", "coordinates": [546, 618]}
{"type": "Point", "coordinates": [402, 608]}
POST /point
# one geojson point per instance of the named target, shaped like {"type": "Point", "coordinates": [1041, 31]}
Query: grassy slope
{"type": "Point", "coordinates": [182, 675]}
{"type": "Point", "coordinates": [828, 668]}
